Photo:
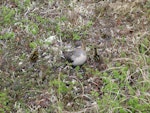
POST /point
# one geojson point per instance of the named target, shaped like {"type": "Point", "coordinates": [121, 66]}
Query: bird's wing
{"type": "Point", "coordinates": [67, 55]}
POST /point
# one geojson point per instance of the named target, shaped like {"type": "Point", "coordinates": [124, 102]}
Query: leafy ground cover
{"type": "Point", "coordinates": [35, 78]}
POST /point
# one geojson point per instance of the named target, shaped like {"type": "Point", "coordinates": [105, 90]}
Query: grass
{"type": "Point", "coordinates": [119, 30]}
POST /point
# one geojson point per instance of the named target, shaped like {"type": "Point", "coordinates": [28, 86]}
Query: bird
{"type": "Point", "coordinates": [78, 56]}
{"type": "Point", "coordinates": [34, 56]}
{"type": "Point", "coordinates": [98, 61]}
{"type": "Point", "coordinates": [97, 57]}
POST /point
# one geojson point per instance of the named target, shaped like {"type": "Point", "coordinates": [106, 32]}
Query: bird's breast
{"type": "Point", "coordinates": [79, 60]}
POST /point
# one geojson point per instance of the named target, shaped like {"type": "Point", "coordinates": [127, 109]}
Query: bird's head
{"type": "Point", "coordinates": [79, 44]}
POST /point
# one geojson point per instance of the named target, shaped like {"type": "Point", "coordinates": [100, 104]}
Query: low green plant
{"type": "Point", "coordinates": [9, 35]}
{"type": "Point", "coordinates": [144, 45]}
{"type": "Point", "coordinates": [7, 15]}
{"type": "Point", "coordinates": [27, 3]}
{"type": "Point", "coordinates": [61, 86]}
{"type": "Point", "coordinates": [33, 45]}
{"type": "Point", "coordinates": [4, 101]}
{"type": "Point", "coordinates": [33, 28]}
{"type": "Point", "coordinates": [76, 36]}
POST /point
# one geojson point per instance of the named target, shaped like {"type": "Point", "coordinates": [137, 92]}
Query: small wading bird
{"type": "Point", "coordinates": [98, 61]}
{"type": "Point", "coordinates": [34, 55]}
{"type": "Point", "coordinates": [78, 56]}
